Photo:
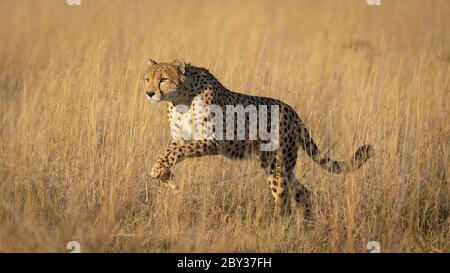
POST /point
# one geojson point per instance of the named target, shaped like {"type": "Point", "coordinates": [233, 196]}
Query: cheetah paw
{"type": "Point", "coordinates": [160, 172]}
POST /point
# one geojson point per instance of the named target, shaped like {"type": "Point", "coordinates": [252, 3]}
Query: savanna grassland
{"type": "Point", "coordinates": [78, 137]}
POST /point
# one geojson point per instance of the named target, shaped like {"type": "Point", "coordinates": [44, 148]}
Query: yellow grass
{"type": "Point", "coordinates": [78, 138]}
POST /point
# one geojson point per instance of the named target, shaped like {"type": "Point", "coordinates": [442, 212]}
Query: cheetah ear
{"type": "Point", "coordinates": [151, 62]}
{"type": "Point", "coordinates": [180, 65]}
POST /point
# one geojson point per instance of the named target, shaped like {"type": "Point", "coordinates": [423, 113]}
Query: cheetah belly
{"type": "Point", "coordinates": [238, 149]}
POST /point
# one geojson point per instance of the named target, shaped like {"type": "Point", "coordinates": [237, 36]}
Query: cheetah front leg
{"type": "Point", "coordinates": [177, 152]}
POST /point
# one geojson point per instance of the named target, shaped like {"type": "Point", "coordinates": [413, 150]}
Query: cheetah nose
{"type": "Point", "coordinates": [150, 94]}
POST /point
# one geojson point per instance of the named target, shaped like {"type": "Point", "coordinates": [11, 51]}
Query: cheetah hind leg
{"type": "Point", "coordinates": [280, 193]}
{"type": "Point", "coordinates": [303, 197]}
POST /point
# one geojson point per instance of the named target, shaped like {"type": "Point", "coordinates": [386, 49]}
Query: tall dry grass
{"type": "Point", "coordinates": [77, 137]}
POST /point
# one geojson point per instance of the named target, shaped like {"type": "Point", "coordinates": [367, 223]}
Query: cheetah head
{"type": "Point", "coordinates": [163, 81]}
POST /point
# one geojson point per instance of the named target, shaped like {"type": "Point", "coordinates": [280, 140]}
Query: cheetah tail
{"type": "Point", "coordinates": [362, 154]}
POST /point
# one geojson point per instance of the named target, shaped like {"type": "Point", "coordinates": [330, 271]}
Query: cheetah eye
{"type": "Point", "coordinates": [147, 80]}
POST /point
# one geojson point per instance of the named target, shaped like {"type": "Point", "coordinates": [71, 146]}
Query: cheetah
{"type": "Point", "coordinates": [181, 84]}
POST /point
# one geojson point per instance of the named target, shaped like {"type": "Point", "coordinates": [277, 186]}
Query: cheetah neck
{"type": "Point", "coordinates": [201, 79]}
